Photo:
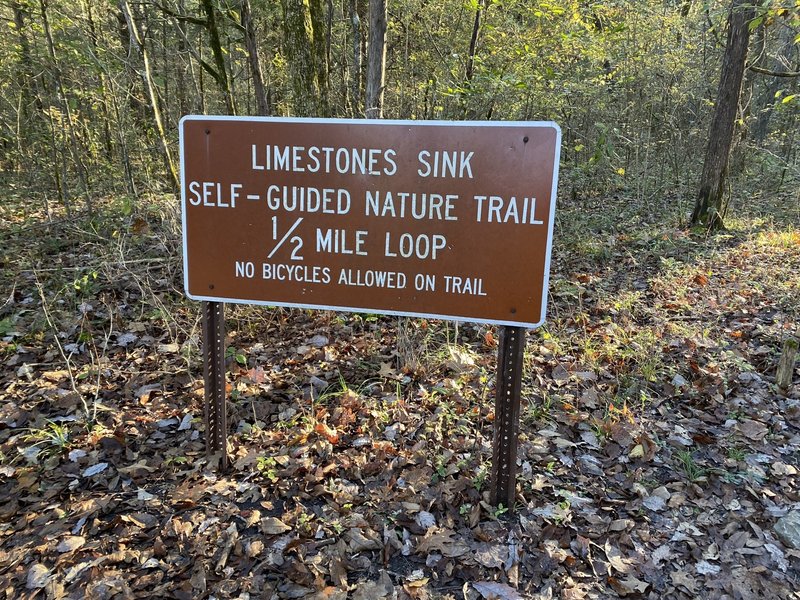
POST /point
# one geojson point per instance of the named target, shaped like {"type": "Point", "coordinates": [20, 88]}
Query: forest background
{"type": "Point", "coordinates": [658, 451]}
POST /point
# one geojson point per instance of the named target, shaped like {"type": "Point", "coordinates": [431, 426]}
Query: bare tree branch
{"type": "Point", "coordinates": [764, 71]}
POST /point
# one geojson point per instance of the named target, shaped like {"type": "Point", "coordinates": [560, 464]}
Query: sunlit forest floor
{"type": "Point", "coordinates": [656, 453]}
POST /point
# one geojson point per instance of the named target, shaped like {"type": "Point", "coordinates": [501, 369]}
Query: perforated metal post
{"type": "Point", "coordinates": [214, 374]}
{"type": "Point", "coordinates": [506, 416]}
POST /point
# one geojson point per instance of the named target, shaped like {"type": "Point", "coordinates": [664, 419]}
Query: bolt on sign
{"type": "Point", "coordinates": [451, 220]}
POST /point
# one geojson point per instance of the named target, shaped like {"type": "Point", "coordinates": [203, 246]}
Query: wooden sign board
{"type": "Point", "coordinates": [451, 220]}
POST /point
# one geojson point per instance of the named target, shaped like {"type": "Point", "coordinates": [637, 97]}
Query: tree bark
{"type": "Point", "coordinates": [219, 57]}
{"type": "Point", "coordinates": [708, 207]}
{"type": "Point", "coordinates": [260, 92]}
{"type": "Point", "coordinates": [318, 36]}
{"type": "Point", "coordinates": [182, 48]}
{"type": "Point", "coordinates": [355, 22]}
{"type": "Point", "coordinates": [376, 59]}
{"type": "Point", "coordinates": [469, 72]}
{"type": "Point", "coordinates": [473, 42]}
{"type": "Point", "coordinates": [298, 33]}
{"type": "Point", "coordinates": [147, 77]}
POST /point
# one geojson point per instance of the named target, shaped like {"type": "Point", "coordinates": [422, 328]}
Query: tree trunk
{"type": "Point", "coordinates": [298, 34]}
{"type": "Point", "coordinates": [262, 106]}
{"type": "Point", "coordinates": [355, 21]}
{"type": "Point", "coordinates": [147, 76]}
{"type": "Point", "coordinates": [473, 45]}
{"type": "Point", "coordinates": [219, 57]}
{"type": "Point", "coordinates": [473, 42]}
{"type": "Point", "coordinates": [182, 47]}
{"type": "Point", "coordinates": [376, 59]}
{"type": "Point", "coordinates": [708, 206]}
{"type": "Point", "coordinates": [318, 36]}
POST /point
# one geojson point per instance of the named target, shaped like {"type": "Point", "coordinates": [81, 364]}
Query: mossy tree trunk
{"type": "Point", "coordinates": [355, 88]}
{"type": "Point", "coordinates": [219, 58]}
{"type": "Point", "coordinates": [259, 90]}
{"type": "Point", "coordinates": [320, 45]}
{"type": "Point", "coordinates": [299, 40]}
{"type": "Point", "coordinates": [708, 207]}
{"type": "Point", "coordinates": [376, 59]}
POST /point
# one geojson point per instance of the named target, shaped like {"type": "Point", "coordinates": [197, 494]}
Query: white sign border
{"type": "Point", "coordinates": [550, 225]}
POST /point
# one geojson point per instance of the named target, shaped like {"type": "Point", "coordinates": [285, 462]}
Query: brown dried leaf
{"type": "Point", "coordinates": [753, 430]}
{"type": "Point", "coordinates": [442, 541]}
{"type": "Point", "coordinates": [492, 590]}
{"type": "Point", "coordinates": [683, 579]}
{"type": "Point", "coordinates": [273, 526]}
{"type": "Point", "coordinates": [70, 543]}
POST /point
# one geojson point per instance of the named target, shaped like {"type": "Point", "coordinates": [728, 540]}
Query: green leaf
{"type": "Point", "coordinates": [788, 99]}
{"type": "Point", "coordinates": [6, 326]}
{"type": "Point", "coordinates": [755, 23]}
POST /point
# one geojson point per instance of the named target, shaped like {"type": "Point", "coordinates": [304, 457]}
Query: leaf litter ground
{"type": "Point", "coordinates": [655, 458]}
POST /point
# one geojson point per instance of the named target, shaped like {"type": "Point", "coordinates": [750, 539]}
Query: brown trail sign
{"type": "Point", "coordinates": [449, 220]}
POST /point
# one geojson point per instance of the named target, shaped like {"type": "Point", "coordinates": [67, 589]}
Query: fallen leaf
{"type": "Point", "coordinates": [319, 341]}
{"type": "Point", "coordinates": [71, 543]}
{"type": "Point", "coordinates": [753, 430]}
{"type": "Point", "coordinates": [615, 558]}
{"type": "Point", "coordinates": [660, 554]}
{"type": "Point", "coordinates": [95, 469]}
{"type": "Point", "coordinates": [38, 576]}
{"type": "Point", "coordinates": [375, 590]}
{"type": "Point", "coordinates": [75, 455]}
{"type": "Point", "coordinates": [681, 578]}
{"type": "Point", "coordinates": [386, 370]}
{"type": "Point", "coordinates": [706, 568]}
{"type": "Point", "coordinates": [425, 520]}
{"type": "Point", "coordinates": [560, 374]}
{"type": "Point", "coordinates": [629, 585]}
{"type": "Point", "coordinates": [144, 495]}
{"type": "Point", "coordinates": [338, 573]}
{"type": "Point", "coordinates": [330, 433]}
{"type": "Point", "coordinates": [492, 590]}
{"type": "Point", "coordinates": [491, 556]}
{"type": "Point", "coordinates": [257, 374]}
{"type": "Point", "coordinates": [359, 542]}
{"type": "Point", "coordinates": [442, 541]}
{"type": "Point", "coordinates": [654, 503]}
{"type": "Point", "coordinates": [273, 526]}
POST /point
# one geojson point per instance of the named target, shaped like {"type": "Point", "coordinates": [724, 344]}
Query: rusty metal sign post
{"type": "Point", "coordinates": [508, 388]}
{"type": "Point", "coordinates": [445, 220]}
{"type": "Point", "coordinates": [216, 420]}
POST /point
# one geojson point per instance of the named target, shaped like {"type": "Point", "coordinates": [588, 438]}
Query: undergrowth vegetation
{"type": "Point", "coordinates": [647, 397]}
